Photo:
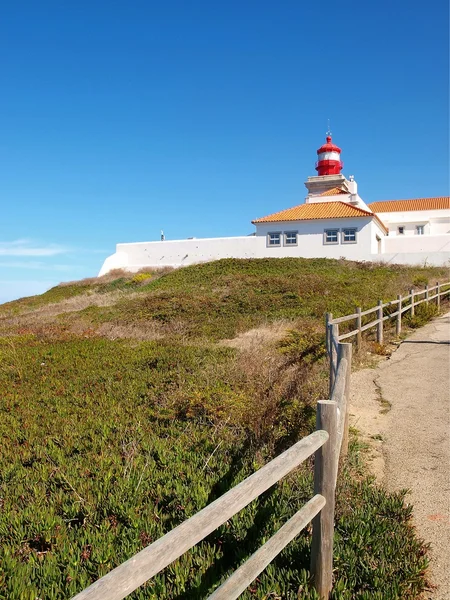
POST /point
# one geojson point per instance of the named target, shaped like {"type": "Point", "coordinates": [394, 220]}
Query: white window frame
{"type": "Point", "coordinates": [402, 228]}
{"type": "Point", "coordinates": [352, 230]}
{"type": "Point", "coordinates": [329, 243]}
{"type": "Point", "coordinates": [420, 229]}
{"type": "Point", "coordinates": [269, 239]}
{"type": "Point", "coordinates": [289, 244]}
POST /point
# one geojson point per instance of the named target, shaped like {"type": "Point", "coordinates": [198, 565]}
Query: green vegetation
{"type": "Point", "coordinates": [422, 314]}
{"type": "Point", "coordinates": [222, 299]}
{"type": "Point", "coordinates": [109, 443]}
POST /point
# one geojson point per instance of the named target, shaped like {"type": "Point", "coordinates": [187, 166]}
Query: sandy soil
{"type": "Point", "coordinates": [254, 338]}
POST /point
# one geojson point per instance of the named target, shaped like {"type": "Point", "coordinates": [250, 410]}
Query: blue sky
{"type": "Point", "coordinates": [119, 119]}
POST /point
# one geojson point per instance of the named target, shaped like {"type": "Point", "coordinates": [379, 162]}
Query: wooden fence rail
{"type": "Point", "coordinates": [327, 443]}
{"type": "Point", "coordinates": [245, 574]}
{"type": "Point", "coordinates": [131, 574]}
{"type": "Point", "coordinates": [402, 303]}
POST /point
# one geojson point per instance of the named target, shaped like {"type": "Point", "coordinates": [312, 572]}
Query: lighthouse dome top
{"type": "Point", "coordinates": [328, 147]}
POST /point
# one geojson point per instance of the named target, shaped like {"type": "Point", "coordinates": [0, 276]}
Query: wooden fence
{"type": "Point", "coordinates": [402, 304]}
{"type": "Point", "coordinates": [327, 443]}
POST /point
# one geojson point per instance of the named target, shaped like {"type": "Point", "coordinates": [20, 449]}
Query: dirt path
{"type": "Point", "coordinates": [402, 408]}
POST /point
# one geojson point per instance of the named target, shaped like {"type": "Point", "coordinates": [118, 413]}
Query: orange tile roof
{"type": "Point", "coordinates": [316, 210]}
{"type": "Point", "coordinates": [334, 192]}
{"type": "Point", "coordinates": [439, 203]}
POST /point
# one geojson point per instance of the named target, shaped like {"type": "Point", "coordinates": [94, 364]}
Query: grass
{"type": "Point", "coordinates": [108, 444]}
{"type": "Point", "coordinates": [235, 296]}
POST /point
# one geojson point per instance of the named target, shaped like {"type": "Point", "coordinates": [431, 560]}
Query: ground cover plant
{"type": "Point", "coordinates": [109, 443]}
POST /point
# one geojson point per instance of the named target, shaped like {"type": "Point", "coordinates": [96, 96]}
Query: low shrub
{"type": "Point", "coordinates": [141, 278]}
{"type": "Point", "coordinates": [422, 314]}
{"type": "Point", "coordinates": [306, 346]}
{"type": "Point", "coordinates": [380, 349]}
{"type": "Point", "coordinates": [420, 281]}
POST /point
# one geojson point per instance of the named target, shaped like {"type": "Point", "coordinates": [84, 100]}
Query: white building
{"type": "Point", "coordinates": [422, 216]}
{"type": "Point", "coordinates": [333, 222]}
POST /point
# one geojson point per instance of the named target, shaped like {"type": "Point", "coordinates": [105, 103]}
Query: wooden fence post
{"type": "Point", "coordinates": [380, 322]}
{"type": "Point", "coordinates": [438, 296]}
{"type": "Point", "coordinates": [325, 465]}
{"type": "Point", "coordinates": [398, 327]}
{"type": "Point", "coordinates": [345, 351]}
{"type": "Point", "coordinates": [358, 327]}
{"type": "Point", "coordinates": [334, 340]}
{"type": "Point", "coordinates": [427, 294]}
{"type": "Point", "coordinates": [328, 319]}
{"type": "Point", "coordinates": [411, 291]}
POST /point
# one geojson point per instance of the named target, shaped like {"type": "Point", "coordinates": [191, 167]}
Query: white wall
{"type": "Point", "coordinates": [119, 260]}
{"type": "Point", "coordinates": [377, 232]}
{"type": "Point", "coordinates": [417, 243]}
{"type": "Point", "coordinates": [410, 229]}
{"type": "Point", "coordinates": [422, 259]}
{"type": "Point", "coordinates": [135, 256]}
{"type": "Point", "coordinates": [435, 221]}
{"type": "Point", "coordinates": [423, 249]}
{"type": "Point", "coordinates": [440, 226]}
{"type": "Point", "coordinates": [180, 252]}
{"type": "Point", "coordinates": [311, 238]}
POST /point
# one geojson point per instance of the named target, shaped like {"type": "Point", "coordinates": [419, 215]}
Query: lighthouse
{"type": "Point", "coordinates": [329, 159]}
{"type": "Point", "coordinates": [330, 183]}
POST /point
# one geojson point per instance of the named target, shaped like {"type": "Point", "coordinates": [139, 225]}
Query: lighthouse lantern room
{"type": "Point", "coordinates": [329, 159]}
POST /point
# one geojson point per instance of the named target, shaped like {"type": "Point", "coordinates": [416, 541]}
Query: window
{"type": "Point", "coordinates": [290, 238]}
{"type": "Point", "coordinates": [331, 236]}
{"type": "Point", "coordinates": [401, 230]}
{"type": "Point", "coordinates": [274, 239]}
{"type": "Point", "coordinates": [349, 236]}
{"type": "Point", "coordinates": [420, 229]}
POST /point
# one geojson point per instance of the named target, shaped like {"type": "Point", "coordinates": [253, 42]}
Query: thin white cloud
{"type": "Point", "coordinates": [20, 242]}
{"type": "Point", "coordinates": [25, 247]}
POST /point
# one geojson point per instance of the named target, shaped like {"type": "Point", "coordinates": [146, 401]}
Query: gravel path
{"type": "Point", "coordinates": [410, 441]}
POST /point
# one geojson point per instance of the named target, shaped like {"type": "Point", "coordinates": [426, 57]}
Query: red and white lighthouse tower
{"type": "Point", "coordinates": [329, 159]}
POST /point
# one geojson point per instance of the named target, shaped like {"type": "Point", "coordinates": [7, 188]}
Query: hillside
{"type": "Point", "coordinates": [129, 402]}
